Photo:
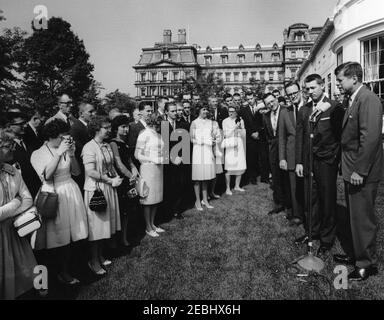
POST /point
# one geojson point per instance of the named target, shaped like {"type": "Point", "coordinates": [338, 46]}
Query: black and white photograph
{"type": "Point", "coordinates": [191, 155]}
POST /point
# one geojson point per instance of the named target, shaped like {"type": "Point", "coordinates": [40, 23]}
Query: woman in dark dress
{"type": "Point", "coordinates": [127, 170]}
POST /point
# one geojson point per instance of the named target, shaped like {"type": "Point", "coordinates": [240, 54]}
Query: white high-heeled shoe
{"type": "Point", "coordinates": [206, 204]}
{"type": "Point", "coordinates": [229, 192]}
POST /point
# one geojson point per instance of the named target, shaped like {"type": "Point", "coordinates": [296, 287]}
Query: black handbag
{"type": "Point", "coordinates": [47, 203]}
{"type": "Point", "coordinates": [98, 203]}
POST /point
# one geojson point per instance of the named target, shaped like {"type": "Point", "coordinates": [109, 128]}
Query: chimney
{"type": "Point", "coordinates": [182, 36]}
{"type": "Point", "coordinates": [167, 36]}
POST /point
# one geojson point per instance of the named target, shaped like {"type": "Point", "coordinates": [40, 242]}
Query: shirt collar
{"type": "Point", "coordinates": [353, 96]}
{"type": "Point", "coordinates": [143, 123]}
{"type": "Point", "coordinates": [83, 122]}
{"type": "Point", "coordinates": [62, 115]}
{"type": "Point", "coordinates": [32, 127]}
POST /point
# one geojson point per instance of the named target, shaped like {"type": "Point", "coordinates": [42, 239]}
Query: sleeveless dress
{"type": "Point", "coordinates": [70, 225]}
{"type": "Point", "coordinates": [203, 159]}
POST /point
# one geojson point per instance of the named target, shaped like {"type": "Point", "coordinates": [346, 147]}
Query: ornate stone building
{"type": "Point", "coordinates": [162, 68]}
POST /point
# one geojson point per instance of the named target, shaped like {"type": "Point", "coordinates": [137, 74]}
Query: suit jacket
{"type": "Point", "coordinates": [222, 113]}
{"type": "Point", "coordinates": [287, 133]}
{"type": "Point", "coordinates": [32, 140]}
{"type": "Point", "coordinates": [273, 139]}
{"type": "Point", "coordinates": [327, 132]}
{"type": "Point", "coordinates": [134, 131]}
{"type": "Point", "coordinates": [252, 123]}
{"type": "Point", "coordinates": [60, 115]}
{"type": "Point", "coordinates": [30, 177]}
{"type": "Point", "coordinates": [361, 143]}
{"type": "Point", "coordinates": [80, 134]}
{"type": "Point", "coordinates": [163, 117]}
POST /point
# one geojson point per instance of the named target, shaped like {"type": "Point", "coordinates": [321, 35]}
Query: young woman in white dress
{"type": "Point", "coordinates": [233, 143]}
{"type": "Point", "coordinates": [55, 163]}
{"type": "Point", "coordinates": [203, 159]}
{"type": "Point", "coordinates": [150, 152]}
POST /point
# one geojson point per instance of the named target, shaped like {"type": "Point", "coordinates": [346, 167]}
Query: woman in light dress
{"type": "Point", "coordinates": [100, 171]}
{"type": "Point", "coordinates": [54, 163]}
{"type": "Point", "coordinates": [17, 261]}
{"type": "Point", "coordinates": [150, 152]}
{"type": "Point", "coordinates": [203, 160]}
{"type": "Point", "coordinates": [233, 143]}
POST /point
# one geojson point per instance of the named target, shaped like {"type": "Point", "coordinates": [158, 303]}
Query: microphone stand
{"type": "Point", "coordinates": [310, 262]}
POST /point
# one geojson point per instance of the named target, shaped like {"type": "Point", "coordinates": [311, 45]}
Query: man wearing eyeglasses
{"type": "Point", "coordinates": [287, 133]}
{"type": "Point", "coordinates": [65, 105]}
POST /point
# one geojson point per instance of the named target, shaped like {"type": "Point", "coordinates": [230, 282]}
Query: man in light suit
{"type": "Point", "coordinates": [325, 117]}
{"type": "Point", "coordinates": [287, 133]}
{"type": "Point", "coordinates": [361, 164]}
{"type": "Point", "coordinates": [64, 104]}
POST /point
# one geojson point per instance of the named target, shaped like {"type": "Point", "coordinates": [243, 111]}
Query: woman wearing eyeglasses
{"type": "Point", "coordinates": [16, 257]}
{"type": "Point", "coordinates": [100, 173]}
{"type": "Point", "coordinates": [55, 163]}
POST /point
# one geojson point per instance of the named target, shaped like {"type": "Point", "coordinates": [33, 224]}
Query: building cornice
{"type": "Point", "coordinates": [321, 38]}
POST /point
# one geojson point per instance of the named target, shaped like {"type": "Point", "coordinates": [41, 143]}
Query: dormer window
{"type": "Point", "coordinates": [299, 36]}
{"type": "Point", "coordinates": [275, 57]}
{"type": "Point", "coordinates": [225, 49]}
{"type": "Point", "coordinates": [209, 49]}
{"type": "Point", "coordinates": [241, 47]}
{"type": "Point", "coordinates": [258, 57]}
{"type": "Point", "coordinates": [241, 58]}
{"type": "Point", "coordinates": [258, 47]}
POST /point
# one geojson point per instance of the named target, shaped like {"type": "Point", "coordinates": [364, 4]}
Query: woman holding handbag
{"type": "Point", "coordinates": [101, 179]}
{"type": "Point", "coordinates": [16, 257]}
{"type": "Point", "coordinates": [55, 163]}
{"type": "Point", "coordinates": [150, 152]}
{"type": "Point", "coordinates": [128, 197]}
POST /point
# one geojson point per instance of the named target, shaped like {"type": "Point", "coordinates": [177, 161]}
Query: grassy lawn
{"type": "Point", "coordinates": [234, 251]}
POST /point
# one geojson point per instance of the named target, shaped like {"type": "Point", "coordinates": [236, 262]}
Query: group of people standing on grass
{"type": "Point", "coordinates": [154, 164]}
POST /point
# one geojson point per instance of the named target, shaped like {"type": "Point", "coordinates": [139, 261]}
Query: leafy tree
{"type": "Point", "coordinates": [120, 100]}
{"type": "Point", "coordinates": [256, 86]}
{"type": "Point", "coordinates": [54, 61]}
{"type": "Point", "coordinates": [204, 86]}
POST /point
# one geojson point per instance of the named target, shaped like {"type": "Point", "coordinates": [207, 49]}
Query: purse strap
{"type": "Point", "coordinates": [53, 179]}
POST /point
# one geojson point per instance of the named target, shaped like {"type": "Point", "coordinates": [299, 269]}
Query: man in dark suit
{"type": "Point", "coordinates": [22, 155]}
{"type": "Point", "coordinates": [287, 133]}
{"type": "Point", "coordinates": [32, 135]}
{"type": "Point", "coordinates": [146, 111]}
{"type": "Point", "coordinates": [325, 117]}
{"type": "Point", "coordinates": [160, 112]}
{"type": "Point", "coordinates": [271, 121]}
{"type": "Point", "coordinates": [218, 113]}
{"type": "Point", "coordinates": [253, 123]}
{"type": "Point", "coordinates": [188, 116]}
{"type": "Point", "coordinates": [174, 171]}
{"type": "Point", "coordinates": [361, 164]}
{"type": "Point", "coordinates": [80, 134]}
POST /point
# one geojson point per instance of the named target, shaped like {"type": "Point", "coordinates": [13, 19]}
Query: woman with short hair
{"type": "Point", "coordinates": [100, 173]}
{"type": "Point", "coordinates": [16, 257]}
{"type": "Point", "coordinates": [55, 163]}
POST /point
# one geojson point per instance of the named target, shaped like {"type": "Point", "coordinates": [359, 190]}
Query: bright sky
{"type": "Point", "coordinates": [114, 31]}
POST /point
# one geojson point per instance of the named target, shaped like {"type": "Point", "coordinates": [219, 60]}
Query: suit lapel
{"type": "Point", "coordinates": [350, 109]}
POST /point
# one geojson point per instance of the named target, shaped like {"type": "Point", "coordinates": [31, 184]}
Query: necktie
{"type": "Point", "coordinates": [23, 145]}
{"type": "Point", "coordinates": [296, 110]}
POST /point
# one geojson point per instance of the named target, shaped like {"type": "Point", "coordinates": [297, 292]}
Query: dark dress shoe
{"type": "Point", "coordinates": [361, 274]}
{"type": "Point", "coordinates": [343, 259]}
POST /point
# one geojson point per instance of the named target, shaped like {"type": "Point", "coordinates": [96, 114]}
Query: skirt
{"type": "Point", "coordinates": [153, 176]}
{"type": "Point", "coordinates": [17, 262]}
{"type": "Point", "coordinates": [102, 225]}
